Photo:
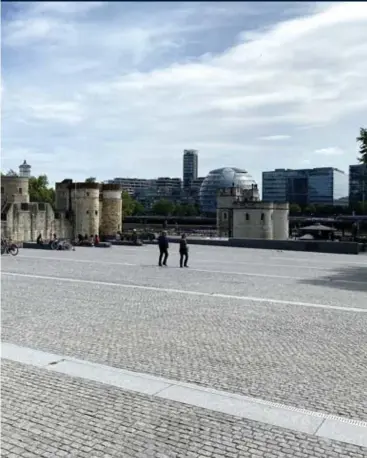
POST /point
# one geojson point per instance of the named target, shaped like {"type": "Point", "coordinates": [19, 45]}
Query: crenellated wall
{"type": "Point", "coordinates": [81, 208]}
{"type": "Point", "coordinates": [24, 222]}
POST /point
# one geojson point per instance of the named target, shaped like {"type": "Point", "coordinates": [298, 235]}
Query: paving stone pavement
{"type": "Point", "coordinates": [315, 358]}
{"type": "Point", "coordinates": [310, 358]}
{"type": "Point", "coordinates": [280, 281]}
{"type": "Point", "coordinates": [51, 415]}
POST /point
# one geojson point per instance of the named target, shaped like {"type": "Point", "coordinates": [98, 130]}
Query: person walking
{"type": "Point", "coordinates": [184, 251]}
{"type": "Point", "coordinates": [163, 249]}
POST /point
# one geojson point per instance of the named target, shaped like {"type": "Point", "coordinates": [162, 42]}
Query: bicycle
{"type": "Point", "coordinates": [9, 248]}
{"type": "Point", "coordinates": [61, 245]}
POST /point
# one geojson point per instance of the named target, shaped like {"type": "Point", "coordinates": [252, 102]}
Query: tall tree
{"type": "Point", "coordinates": [128, 204]}
{"type": "Point", "coordinates": [40, 191]}
{"type": "Point", "coordinates": [91, 180]}
{"type": "Point", "coordinates": [163, 207]}
{"type": "Point", "coordinates": [310, 209]}
{"type": "Point", "coordinates": [294, 209]}
{"type": "Point", "coordinates": [362, 140]}
{"type": "Point", "coordinates": [139, 208]}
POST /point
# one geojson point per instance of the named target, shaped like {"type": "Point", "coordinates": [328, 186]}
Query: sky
{"type": "Point", "coordinates": [121, 89]}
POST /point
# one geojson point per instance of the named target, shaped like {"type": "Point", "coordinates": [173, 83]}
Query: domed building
{"type": "Point", "coordinates": [217, 179]}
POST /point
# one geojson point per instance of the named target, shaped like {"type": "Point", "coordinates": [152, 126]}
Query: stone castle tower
{"type": "Point", "coordinates": [241, 214]}
{"type": "Point", "coordinates": [110, 209]}
{"type": "Point", "coordinates": [15, 188]}
{"type": "Point", "coordinates": [81, 208]}
{"type": "Point", "coordinates": [91, 208]}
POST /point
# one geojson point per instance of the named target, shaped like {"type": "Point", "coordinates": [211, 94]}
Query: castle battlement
{"type": "Point", "coordinates": [81, 208]}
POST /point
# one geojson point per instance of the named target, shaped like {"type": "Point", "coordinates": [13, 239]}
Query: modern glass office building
{"type": "Point", "coordinates": [357, 183]}
{"type": "Point", "coordinates": [319, 186]}
{"type": "Point", "coordinates": [190, 167]}
{"type": "Point", "coordinates": [217, 179]}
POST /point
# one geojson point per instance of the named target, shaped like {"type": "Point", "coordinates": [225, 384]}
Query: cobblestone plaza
{"type": "Point", "coordinates": [280, 328]}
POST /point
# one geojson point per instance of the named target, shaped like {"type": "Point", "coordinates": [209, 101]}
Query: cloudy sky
{"type": "Point", "coordinates": [120, 89]}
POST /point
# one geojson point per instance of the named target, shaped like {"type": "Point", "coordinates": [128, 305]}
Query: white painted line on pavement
{"type": "Point", "coordinates": [249, 263]}
{"type": "Point", "coordinates": [222, 272]}
{"type": "Point", "coordinates": [187, 292]}
{"type": "Point", "coordinates": [301, 420]}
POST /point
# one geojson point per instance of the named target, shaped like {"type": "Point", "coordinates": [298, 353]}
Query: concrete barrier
{"type": "Point", "coordinates": [315, 246]}
{"type": "Point", "coordinates": [35, 246]}
{"type": "Point", "coordinates": [125, 243]}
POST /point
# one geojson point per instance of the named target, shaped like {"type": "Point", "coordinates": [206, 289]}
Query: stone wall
{"type": "Point", "coordinates": [14, 189]}
{"type": "Point", "coordinates": [85, 206]}
{"type": "Point", "coordinates": [286, 245]}
{"type": "Point", "coordinates": [23, 224]}
{"type": "Point", "coordinates": [111, 216]}
{"type": "Point", "coordinates": [253, 221]}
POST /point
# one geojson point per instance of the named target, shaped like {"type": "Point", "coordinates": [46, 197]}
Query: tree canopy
{"type": "Point", "coordinates": [362, 140]}
{"type": "Point", "coordinates": [91, 180]}
{"type": "Point", "coordinates": [40, 191]}
{"type": "Point", "coordinates": [163, 207]}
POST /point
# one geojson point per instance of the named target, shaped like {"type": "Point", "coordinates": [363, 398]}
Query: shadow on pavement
{"type": "Point", "coordinates": [347, 278]}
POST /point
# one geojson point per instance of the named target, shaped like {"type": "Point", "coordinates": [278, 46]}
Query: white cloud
{"type": "Point", "coordinates": [330, 151]}
{"type": "Point", "coordinates": [64, 7]}
{"type": "Point", "coordinates": [275, 138]}
{"type": "Point", "coordinates": [113, 83]}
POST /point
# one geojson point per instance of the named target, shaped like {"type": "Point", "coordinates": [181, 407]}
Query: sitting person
{"type": "Point", "coordinates": [53, 239]}
{"type": "Point", "coordinates": [39, 240]}
{"type": "Point", "coordinates": [96, 239]}
{"type": "Point", "coordinates": [134, 237]}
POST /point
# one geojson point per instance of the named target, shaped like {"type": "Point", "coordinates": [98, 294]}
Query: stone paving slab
{"type": "Point", "coordinates": [51, 415]}
{"type": "Point", "coordinates": [310, 358]}
{"type": "Point", "coordinates": [305, 285]}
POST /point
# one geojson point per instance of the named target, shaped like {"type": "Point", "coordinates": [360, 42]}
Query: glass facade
{"type": "Point", "coordinates": [319, 186]}
{"type": "Point", "coordinates": [222, 178]}
{"type": "Point", "coordinates": [190, 167]}
{"type": "Point", "coordinates": [357, 183]}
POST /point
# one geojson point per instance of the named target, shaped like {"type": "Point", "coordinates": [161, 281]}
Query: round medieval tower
{"type": "Point", "coordinates": [85, 206]}
{"type": "Point", "coordinates": [111, 218]}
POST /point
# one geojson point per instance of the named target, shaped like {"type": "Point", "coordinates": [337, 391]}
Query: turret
{"type": "Point", "coordinates": [111, 219]}
{"type": "Point", "coordinates": [84, 199]}
{"type": "Point", "coordinates": [25, 170]}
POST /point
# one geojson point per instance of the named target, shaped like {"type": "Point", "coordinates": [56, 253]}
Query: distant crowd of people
{"type": "Point", "coordinates": [90, 239]}
{"type": "Point", "coordinates": [60, 244]}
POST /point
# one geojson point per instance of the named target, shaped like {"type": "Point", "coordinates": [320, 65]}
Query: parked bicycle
{"type": "Point", "coordinates": [61, 245]}
{"type": "Point", "coordinates": [7, 247]}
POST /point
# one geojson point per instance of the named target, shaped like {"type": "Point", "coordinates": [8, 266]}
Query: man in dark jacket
{"type": "Point", "coordinates": [163, 248]}
{"type": "Point", "coordinates": [184, 251]}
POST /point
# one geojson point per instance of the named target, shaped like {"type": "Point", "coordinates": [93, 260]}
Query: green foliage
{"type": "Point", "coordinates": [128, 204]}
{"type": "Point", "coordinates": [138, 208]}
{"type": "Point", "coordinates": [310, 209]}
{"type": "Point", "coordinates": [39, 190]}
{"type": "Point", "coordinates": [163, 207]}
{"type": "Point", "coordinates": [91, 180]}
{"type": "Point", "coordinates": [362, 140]}
{"type": "Point", "coordinates": [294, 209]}
{"type": "Point", "coordinates": [185, 210]}
{"type": "Point", "coordinates": [360, 208]}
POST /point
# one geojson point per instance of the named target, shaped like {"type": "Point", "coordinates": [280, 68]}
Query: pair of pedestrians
{"type": "Point", "coordinates": [163, 250]}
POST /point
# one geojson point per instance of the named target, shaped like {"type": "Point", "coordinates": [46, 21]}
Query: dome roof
{"type": "Point", "coordinates": [224, 177]}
